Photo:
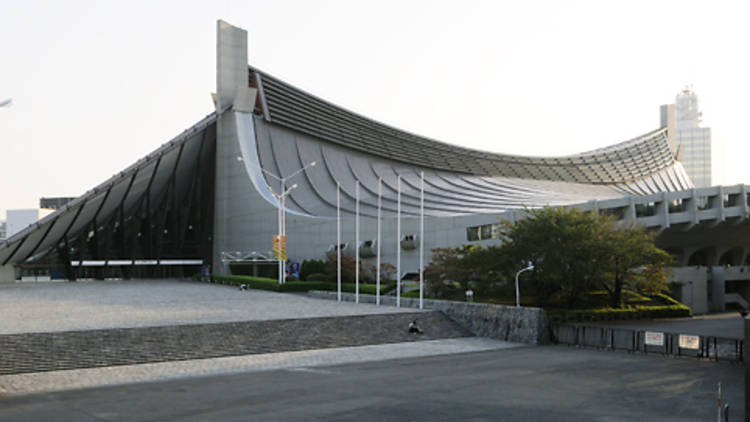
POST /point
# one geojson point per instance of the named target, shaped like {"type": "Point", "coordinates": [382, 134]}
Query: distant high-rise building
{"type": "Point", "coordinates": [690, 142]}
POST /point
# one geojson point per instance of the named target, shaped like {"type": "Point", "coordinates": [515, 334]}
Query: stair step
{"type": "Point", "coordinates": [38, 352]}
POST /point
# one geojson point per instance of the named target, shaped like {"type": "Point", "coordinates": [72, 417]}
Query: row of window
{"type": "Point", "coordinates": [648, 209]}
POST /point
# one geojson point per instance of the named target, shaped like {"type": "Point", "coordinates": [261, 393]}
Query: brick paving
{"type": "Point", "coordinates": [35, 352]}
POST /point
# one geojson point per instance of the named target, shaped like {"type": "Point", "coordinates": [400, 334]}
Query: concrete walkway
{"type": "Point", "coordinates": [88, 305]}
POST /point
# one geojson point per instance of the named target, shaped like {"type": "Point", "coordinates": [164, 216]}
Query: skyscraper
{"type": "Point", "coordinates": [690, 142]}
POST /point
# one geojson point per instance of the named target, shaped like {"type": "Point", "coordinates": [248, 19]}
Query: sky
{"type": "Point", "coordinates": [96, 85]}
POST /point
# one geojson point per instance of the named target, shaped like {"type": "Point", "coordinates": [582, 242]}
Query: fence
{"type": "Point", "coordinates": [645, 341]}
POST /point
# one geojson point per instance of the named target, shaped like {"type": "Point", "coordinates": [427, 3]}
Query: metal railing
{"type": "Point", "coordinates": [648, 341]}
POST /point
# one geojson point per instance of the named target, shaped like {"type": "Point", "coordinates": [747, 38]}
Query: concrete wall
{"type": "Point", "coordinates": [7, 274]}
{"type": "Point", "coordinates": [694, 287]}
{"type": "Point", "coordinates": [520, 325]}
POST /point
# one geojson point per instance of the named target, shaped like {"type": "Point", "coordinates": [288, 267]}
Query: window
{"type": "Point", "coordinates": [482, 232]}
{"type": "Point", "coordinates": [645, 210]}
{"type": "Point", "coordinates": [677, 205]}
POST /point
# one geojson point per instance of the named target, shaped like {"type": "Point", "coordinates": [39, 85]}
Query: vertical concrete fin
{"type": "Point", "coordinates": [231, 64]}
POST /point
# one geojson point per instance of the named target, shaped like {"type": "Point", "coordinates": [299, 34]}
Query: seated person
{"type": "Point", "coordinates": [414, 328]}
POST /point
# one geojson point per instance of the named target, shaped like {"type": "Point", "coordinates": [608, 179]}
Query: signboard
{"type": "Point", "coordinates": [689, 342]}
{"type": "Point", "coordinates": [279, 248]}
{"type": "Point", "coordinates": [654, 338]}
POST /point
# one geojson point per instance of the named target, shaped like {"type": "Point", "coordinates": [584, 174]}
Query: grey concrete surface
{"type": "Point", "coordinates": [543, 383]}
{"type": "Point", "coordinates": [63, 306]}
{"type": "Point", "coordinates": [727, 325]}
{"type": "Point", "coordinates": [18, 384]}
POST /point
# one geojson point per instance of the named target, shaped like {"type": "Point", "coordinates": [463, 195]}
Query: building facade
{"type": "Point", "coordinates": [210, 196]}
{"type": "Point", "coordinates": [690, 142]}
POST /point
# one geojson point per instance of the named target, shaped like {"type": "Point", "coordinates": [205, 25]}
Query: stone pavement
{"type": "Point", "coordinates": [35, 352]}
{"type": "Point", "coordinates": [87, 305]}
{"type": "Point", "coordinates": [297, 360]}
{"type": "Point", "coordinates": [72, 335]}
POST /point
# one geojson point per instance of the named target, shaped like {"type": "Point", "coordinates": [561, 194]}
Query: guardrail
{"type": "Point", "coordinates": [646, 341]}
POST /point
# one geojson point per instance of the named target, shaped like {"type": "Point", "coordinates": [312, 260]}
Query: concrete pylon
{"type": "Point", "coordinates": [233, 95]}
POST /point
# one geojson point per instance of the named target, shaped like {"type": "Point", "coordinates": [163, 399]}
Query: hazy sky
{"type": "Point", "coordinates": [98, 84]}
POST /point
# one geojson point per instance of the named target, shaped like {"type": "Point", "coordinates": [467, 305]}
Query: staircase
{"type": "Point", "coordinates": [37, 352]}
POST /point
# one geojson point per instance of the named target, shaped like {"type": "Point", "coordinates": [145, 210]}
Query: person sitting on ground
{"type": "Point", "coordinates": [414, 328]}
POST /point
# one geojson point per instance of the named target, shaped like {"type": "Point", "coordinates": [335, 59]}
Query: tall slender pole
{"type": "Point", "coordinates": [377, 265]}
{"type": "Point", "coordinates": [278, 241]}
{"type": "Point", "coordinates": [421, 244]}
{"type": "Point", "coordinates": [282, 246]}
{"type": "Point", "coordinates": [338, 240]}
{"type": "Point", "coordinates": [398, 245]}
{"type": "Point", "coordinates": [356, 241]}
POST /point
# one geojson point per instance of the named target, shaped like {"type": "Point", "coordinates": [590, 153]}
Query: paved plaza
{"type": "Point", "coordinates": [465, 378]}
{"type": "Point", "coordinates": [88, 305]}
{"type": "Point", "coordinates": [543, 383]}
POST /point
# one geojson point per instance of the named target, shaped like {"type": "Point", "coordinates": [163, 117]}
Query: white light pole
{"type": "Point", "coordinates": [281, 198]}
{"type": "Point", "coordinates": [398, 246]}
{"type": "Point", "coordinates": [338, 240]}
{"type": "Point", "coordinates": [421, 242]}
{"type": "Point", "coordinates": [282, 211]}
{"type": "Point", "coordinates": [518, 294]}
{"type": "Point", "coordinates": [377, 269]}
{"type": "Point", "coordinates": [356, 241]}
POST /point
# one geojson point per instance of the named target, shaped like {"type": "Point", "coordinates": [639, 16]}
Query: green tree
{"type": "Point", "coordinates": [633, 261]}
{"type": "Point", "coordinates": [575, 252]}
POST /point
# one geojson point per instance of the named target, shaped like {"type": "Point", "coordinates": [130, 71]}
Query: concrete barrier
{"type": "Point", "coordinates": [520, 325]}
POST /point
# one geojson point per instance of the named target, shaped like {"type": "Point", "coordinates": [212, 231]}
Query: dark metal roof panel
{"type": "Point", "coordinates": [295, 109]}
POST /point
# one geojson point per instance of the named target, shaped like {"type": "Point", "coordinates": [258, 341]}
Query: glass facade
{"type": "Point", "coordinates": [692, 141]}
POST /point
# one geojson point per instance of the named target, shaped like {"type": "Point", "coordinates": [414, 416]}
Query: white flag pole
{"type": "Point", "coordinates": [338, 240]}
{"type": "Point", "coordinates": [398, 246]}
{"type": "Point", "coordinates": [356, 241]}
{"type": "Point", "coordinates": [377, 265]}
{"type": "Point", "coordinates": [421, 245]}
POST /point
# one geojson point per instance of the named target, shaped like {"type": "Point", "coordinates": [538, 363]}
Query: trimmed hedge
{"type": "Point", "coordinates": [270, 284]}
{"type": "Point", "coordinates": [609, 314]}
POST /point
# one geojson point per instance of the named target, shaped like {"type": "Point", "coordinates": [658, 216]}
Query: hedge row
{"type": "Point", "coordinates": [609, 314]}
{"type": "Point", "coordinates": [273, 285]}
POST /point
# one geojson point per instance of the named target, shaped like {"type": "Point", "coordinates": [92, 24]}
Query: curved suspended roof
{"type": "Point", "coordinates": [293, 108]}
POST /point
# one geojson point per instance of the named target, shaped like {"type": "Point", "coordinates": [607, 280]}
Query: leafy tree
{"type": "Point", "coordinates": [452, 271]}
{"type": "Point", "coordinates": [633, 261]}
{"type": "Point", "coordinates": [575, 252]}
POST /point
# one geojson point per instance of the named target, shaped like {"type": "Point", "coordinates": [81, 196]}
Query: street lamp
{"type": "Point", "coordinates": [282, 210]}
{"type": "Point", "coordinates": [518, 294]}
{"type": "Point", "coordinates": [282, 199]}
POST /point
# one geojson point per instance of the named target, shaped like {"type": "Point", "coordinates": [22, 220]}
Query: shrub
{"type": "Point", "coordinates": [318, 277]}
{"type": "Point", "coordinates": [311, 266]}
{"type": "Point", "coordinates": [608, 314]}
{"type": "Point", "coordinates": [297, 286]}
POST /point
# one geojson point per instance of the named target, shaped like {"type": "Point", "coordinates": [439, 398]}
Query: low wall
{"type": "Point", "coordinates": [520, 325]}
{"type": "Point", "coordinates": [7, 274]}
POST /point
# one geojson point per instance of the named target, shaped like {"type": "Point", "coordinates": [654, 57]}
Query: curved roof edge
{"type": "Point", "coordinates": [285, 105]}
{"type": "Point", "coordinates": [81, 201]}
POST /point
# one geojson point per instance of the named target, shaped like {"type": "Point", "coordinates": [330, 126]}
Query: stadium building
{"type": "Point", "coordinates": [210, 195]}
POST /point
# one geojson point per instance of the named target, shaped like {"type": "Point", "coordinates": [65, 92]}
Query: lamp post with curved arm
{"type": "Point", "coordinates": [282, 211]}
{"type": "Point", "coordinates": [518, 293]}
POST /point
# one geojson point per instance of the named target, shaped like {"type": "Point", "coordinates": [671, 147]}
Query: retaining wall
{"type": "Point", "coordinates": [520, 325]}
